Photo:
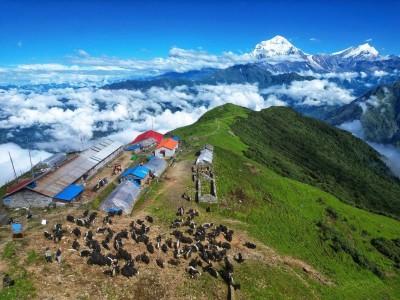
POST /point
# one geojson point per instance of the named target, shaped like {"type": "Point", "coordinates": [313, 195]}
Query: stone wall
{"type": "Point", "coordinates": [26, 198]}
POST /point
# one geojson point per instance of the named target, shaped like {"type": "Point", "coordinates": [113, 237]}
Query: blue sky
{"type": "Point", "coordinates": [52, 31]}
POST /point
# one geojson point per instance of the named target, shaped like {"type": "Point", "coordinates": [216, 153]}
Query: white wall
{"type": "Point", "coordinates": [168, 152]}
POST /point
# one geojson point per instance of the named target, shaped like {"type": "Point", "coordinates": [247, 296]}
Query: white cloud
{"type": "Point", "coordinates": [20, 159]}
{"type": "Point", "coordinates": [355, 127]}
{"type": "Point", "coordinates": [391, 156]}
{"type": "Point", "coordinates": [70, 117]}
{"type": "Point", "coordinates": [343, 76]}
{"type": "Point", "coordinates": [101, 70]}
{"type": "Point", "coordinates": [82, 52]}
{"type": "Point", "coordinates": [315, 92]}
{"type": "Point", "coordinates": [368, 40]}
{"type": "Point", "coordinates": [313, 39]}
{"type": "Point", "coordinates": [379, 73]}
{"type": "Point", "coordinates": [273, 100]}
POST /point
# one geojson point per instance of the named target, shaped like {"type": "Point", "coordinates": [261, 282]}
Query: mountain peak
{"type": "Point", "coordinates": [278, 46]}
{"type": "Point", "coordinates": [362, 51]}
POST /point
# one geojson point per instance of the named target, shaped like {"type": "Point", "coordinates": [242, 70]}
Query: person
{"type": "Point", "coordinates": [7, 281]}
{"type": "Point", "coordinates": [48, 255]}
{"type": "Point", "coordinates": [58, 256]}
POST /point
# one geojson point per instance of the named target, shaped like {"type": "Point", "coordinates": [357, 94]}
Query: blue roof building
{"type": "Point", "coordinates": [68, 194]}
{"type": "Point", "coordinates": [136, 174]}
{"type": "Point", "coordinates": [133, 147]}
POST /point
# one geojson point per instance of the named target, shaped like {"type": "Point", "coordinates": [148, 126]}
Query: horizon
{"type": "Point", "coordinates": [115, 39]}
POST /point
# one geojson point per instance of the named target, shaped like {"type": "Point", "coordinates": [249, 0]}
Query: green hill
{"type": "Point", "coordinates": [354, 249]}
{"type": "Point", "coordinates": [331, 159]}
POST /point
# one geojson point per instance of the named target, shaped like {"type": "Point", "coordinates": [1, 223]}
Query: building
{"type": "Point", "coordinates": [167, 148]}
{"type": "Point", "coordinates": [43, 189]}
{"type": "Point", "coordinates": [70, 194]}
{"type": "Point", "coordinates": [134, 148]}
{"type": "Point", "coordinates": [53, 161]}
{"type": "Point", "coordinates": [205, 158]}
{"type": "Point", "coordinates": [147, 139]}
{"type": "Point", "coordinates": [136, 174]}
{"type": "Point", "coordinates": [123, 197]}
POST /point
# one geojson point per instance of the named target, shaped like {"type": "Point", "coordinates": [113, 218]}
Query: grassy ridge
{"type": "Point", "coordinates": [284, 214]}
{"type": "Point", "coordinates": [310, 151]}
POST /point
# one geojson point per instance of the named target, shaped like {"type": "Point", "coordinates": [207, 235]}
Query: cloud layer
{"type": "Point", "coordinates": [20, 159]}
{"type": "Point", "coordinates": [315, 92]}
{"type": "Point", "coordinates": [67, 116]}
{"type": "Point", "coordinates": [83, 68]}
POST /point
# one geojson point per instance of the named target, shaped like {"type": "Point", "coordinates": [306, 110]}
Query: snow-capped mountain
{"type": "Point", "coordinates": [277, 47]}
{"type": "Point", "coordinates": [278, 55]}
{"type": "Point", "coordinates": [365, 51]}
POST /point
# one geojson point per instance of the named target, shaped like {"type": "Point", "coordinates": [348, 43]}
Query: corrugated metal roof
{"type": "Point", "coordinates": [17, 186]}
{"type": "Point", "coordinates": [105, 148]}
{"type": "Point", "coordinates": [69, 193]}
{"type": "Point", "coordinates": [168, 143]}
{"type": "Point", "coordinates": [137, 171]}
{"type": "Point", "coordinates": [54, 182]}
{"type": "Point", "coordinates": [130, 148]}
{"type": "Point", "coordinates": [150, 134]}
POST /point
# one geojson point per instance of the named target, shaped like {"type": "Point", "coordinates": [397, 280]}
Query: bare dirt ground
{"type": "Point", "coordinates": [124, 160]}
{"type": "Point", "coordinates": [75, 279]}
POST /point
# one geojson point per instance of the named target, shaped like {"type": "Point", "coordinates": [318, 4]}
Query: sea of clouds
{"type": "Point", "coordinates": [74, 118]}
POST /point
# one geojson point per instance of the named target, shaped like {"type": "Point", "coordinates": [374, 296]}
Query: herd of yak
{"type": "Point", "coordinates": [192, 243]}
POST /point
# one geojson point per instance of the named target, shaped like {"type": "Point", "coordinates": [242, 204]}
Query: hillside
{"type": "Point", "coordinates": [379, 113]}
{"type": "Point", "coordinates": [312, 152]}
{"type": "Point", "coordinates": [295, 218]}
{"type": "Point", "coordinates": [309, 244]}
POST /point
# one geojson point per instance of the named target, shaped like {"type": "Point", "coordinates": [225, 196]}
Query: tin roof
{"type": "Point", "coordinates": [69, 193]}
{"type": "Point", "coordinates": [54, 182]}
{"type": "Point", "coordinates": [137, 171]}
{"type": "Point", "coordinates": [148, 135]}
{"type": "Point", "coordinates": [17, 186]}
{"type": "Point", "coordinates": [168, 143]}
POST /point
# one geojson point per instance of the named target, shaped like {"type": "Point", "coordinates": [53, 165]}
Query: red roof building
{"type": "Point", "coordinates": [151, 134]}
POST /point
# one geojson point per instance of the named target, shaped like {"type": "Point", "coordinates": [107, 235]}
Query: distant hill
{"type": "Point", "coordinates": [249, 73]}
{"type": "Point", "coordinates": [379, 113]}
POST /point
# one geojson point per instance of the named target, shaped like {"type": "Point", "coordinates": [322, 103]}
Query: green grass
{"type": "Point", "coordinates": [103, 194]}
{"type": "Point", "coordinates": [23, 288]}
{"type": "Point", "coordinates": [312, 152]}
{"type": "Point", "coordinates": [283, 213]}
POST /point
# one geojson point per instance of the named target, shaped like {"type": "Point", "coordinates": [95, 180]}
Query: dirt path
{"type": "Point", "coordinates": [124, 160]}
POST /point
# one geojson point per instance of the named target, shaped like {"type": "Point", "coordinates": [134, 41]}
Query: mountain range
{"type": "Point", "coordinates": [276, 62]}
{"type": "Point", "coordinates": [279, 55]}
